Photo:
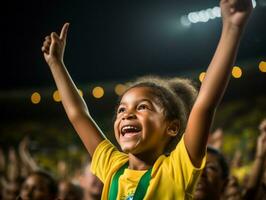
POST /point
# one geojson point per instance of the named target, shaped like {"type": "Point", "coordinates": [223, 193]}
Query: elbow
{"type": "Point", "coordinates": [76, 115]}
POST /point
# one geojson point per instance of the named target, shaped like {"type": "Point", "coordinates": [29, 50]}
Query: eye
{"type": "Point", "coordinates": [143, 107]}
{"type": "Point", "coordinates": [121, 109]}
{"type": "Point", "coordinates": [212, 167]}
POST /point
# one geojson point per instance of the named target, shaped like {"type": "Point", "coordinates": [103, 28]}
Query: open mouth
{"type": "Point", "coordinates": [129, 130]}
{"type": "Point", "coordinates": [201, 185]}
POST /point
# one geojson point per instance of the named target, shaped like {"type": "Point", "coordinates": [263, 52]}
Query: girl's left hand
{"type": "Point", "coordinates": [235, 12]}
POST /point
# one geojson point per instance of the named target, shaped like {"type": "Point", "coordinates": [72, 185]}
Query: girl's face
{"type": "Point", "coordinates": [140, 124]}
{"type": "Point", "coordinates": [35, 187]}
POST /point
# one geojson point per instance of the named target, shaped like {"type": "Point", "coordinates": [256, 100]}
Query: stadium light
{"type": "Point", "coordinates": [204, 15]}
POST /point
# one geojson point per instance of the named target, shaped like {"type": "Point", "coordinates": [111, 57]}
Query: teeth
{"type": "Point", "coordinates": [129, 128]}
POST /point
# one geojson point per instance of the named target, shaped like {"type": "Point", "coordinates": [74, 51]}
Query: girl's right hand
{"type": "Point", "coordinates": [54, 46]}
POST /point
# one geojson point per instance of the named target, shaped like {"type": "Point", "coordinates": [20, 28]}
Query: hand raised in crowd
{"type": "Point", "coordinates": [54, 46]}
{"type": "Point", "coordinates": [261, 142]}
{"type": "Point", "coordinates": [25, 156]}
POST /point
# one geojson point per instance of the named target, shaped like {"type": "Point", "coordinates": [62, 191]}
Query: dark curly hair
{"type": "Point", "coordinates": [175, 95]}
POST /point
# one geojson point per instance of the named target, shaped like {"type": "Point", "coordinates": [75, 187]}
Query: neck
{"type": "Point", "coordinates": [141, 162]}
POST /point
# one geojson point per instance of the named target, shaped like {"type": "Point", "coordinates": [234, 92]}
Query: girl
{"type": "Point", "coordinates": [149, 115]}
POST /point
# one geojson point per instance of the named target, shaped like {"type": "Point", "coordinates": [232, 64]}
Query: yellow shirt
{"type": "Point", "coordinates": [173, 177]}
{"type": "Point", "coordinates": [241, 172]}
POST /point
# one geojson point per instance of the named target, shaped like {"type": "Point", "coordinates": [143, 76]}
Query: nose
{"type": "Point", "coordinates": [129, 115]}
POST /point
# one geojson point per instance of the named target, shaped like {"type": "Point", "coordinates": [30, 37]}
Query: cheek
{"type": "Point", "coordinates": [214, 177]}
{"type": "Point", "coordinates": [153, 123]}
{"type": "Point", "coordinates": [116, 129]}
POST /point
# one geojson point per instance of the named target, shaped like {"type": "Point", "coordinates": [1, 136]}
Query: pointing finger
{"type": "Point", "coordinates": [64, 30]}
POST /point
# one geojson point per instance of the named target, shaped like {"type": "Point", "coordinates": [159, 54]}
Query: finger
{"type": "Point", "coordinates": [46, 43]}
{"type": "Point", "coordinates": [63, 34]}
{"type": "Point", "coordinates": [54, 37]}
{"type": "Point", "coordinates": [48, 37]}
{"type": "Point", "coordinates": [45, 49]}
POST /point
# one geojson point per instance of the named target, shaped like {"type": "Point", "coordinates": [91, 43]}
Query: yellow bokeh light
{"type": "Point", "coordinates": [120, 89]}
{"type": "Point", "coordinates": [201, 76]}
{"type": "Point", "coordinates": [98, 92]}
{"type": "Point", "coordinates": [236, 72]}
{"type": "Point", "coordinates": [56, 96]}
{"type": "Point", "coordinates": [262, 66]}
{"type": "Point", "coordinates": [80, 92]}
{"type": "Point", "coordinates": [35, 98]}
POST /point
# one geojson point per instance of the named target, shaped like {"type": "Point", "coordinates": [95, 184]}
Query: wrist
{"type": "Point", "coordinates": [55, 63]}
{"type": "Point", "coordinates": [232, 28]}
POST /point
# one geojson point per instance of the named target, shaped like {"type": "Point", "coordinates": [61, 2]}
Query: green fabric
{"type": "Point", "coordinates": [140, 190]}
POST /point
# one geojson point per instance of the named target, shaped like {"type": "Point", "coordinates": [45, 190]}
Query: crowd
{"type": "Point", "coordinates": [22, 178]}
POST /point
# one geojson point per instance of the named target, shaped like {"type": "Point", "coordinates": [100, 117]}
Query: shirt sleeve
{"type": "Point", "coordinates": [183, 170]}
{"type": "Point", "coordinates": [106, 159]}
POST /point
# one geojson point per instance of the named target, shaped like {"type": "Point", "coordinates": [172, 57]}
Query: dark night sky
{"type": "Point", "coordinates": [114, 40]}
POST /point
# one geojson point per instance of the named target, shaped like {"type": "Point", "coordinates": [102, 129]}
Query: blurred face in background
{"type": "Point", "coordinates": [11, 190]}
{"type": "Point", "coordinates": [36, 187]}
{"type": "Point", "coordinates": [211, 182]}
{"type": "Point", "coordinates": [69, 191]}
{"type": "Point", "coordinates": [91, 184]}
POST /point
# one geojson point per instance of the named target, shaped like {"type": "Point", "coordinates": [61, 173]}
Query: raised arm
{"type": "Point", "coordinates": [235, 14]}
{"type": "Point", "coordinates": [12, 165]}
{"type": "Point", "coordinates": [257, 169]}
{"type": "Point", "coordinates": [74, 105]}
{"type": "Point", "coordinates": [25, 156]}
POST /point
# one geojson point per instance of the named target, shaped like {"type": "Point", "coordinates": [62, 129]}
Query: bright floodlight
{"type": "Point", "coordinates": [204, 15]}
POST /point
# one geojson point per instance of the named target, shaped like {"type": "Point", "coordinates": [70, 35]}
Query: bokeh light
{"type": "Point", "coordinates": [98, 92]}
{"type": "Point", "coordinates": [119, 89]}
{"type": "Point", "coordinates": [35, 98]}
{"type": "Point", "coordinates": [236, 72]}
{"type": "Point", "coordinates": [56, 96]}
{"type": "Point", "coordinates": [202, 76]}
{"type": "Point", "coordinates": [262, 66]}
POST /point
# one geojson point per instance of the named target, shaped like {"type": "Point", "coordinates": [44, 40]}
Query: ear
{"type": "Point", "coordinates": [173, 128]}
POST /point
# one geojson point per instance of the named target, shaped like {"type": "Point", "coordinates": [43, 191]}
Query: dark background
{"type": "Point", "coordinates": [115, 40]}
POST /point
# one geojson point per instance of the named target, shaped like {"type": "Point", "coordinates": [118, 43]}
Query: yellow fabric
{"type": "Point", "coordinates": [173, 177]}
{"type": "Point", "coordinates": [241, 172]}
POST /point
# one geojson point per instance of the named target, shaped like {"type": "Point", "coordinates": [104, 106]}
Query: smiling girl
{"type": "Point", "coordinates": [152, 117]}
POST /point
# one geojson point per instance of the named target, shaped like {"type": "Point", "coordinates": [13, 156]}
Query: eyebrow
{"type": "Point", "coordinates": [141, 100]}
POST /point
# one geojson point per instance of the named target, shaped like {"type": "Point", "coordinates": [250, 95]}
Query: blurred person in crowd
{"type": "Point", "coordinates": [39, 185]}
{"type": "Point", "coordinates": [216, 139]}
{"type": "Point", "coordinates": [28, 164]}
{"type": "Point", "coordinates": [11, 189]}
{"type": "Point", "coordinates": [260, 164]}
{"type": "Point", "coordinates": [10, 175]}
{"type": "Point", "coordinates": [2, 170]}
{"type": "Point", "coordinates": [253, 186]}
{"type": "Point", "coordinates": [232, 190]}
{"type": "Point", "coordinates": [214, 176]}
{"type": "Point", "coordinates": [262, 188]}
{"type": "Point", "coordinates": [91, 185]}
{"type": "Point", "coordinates": [69, 191]}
